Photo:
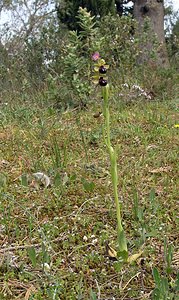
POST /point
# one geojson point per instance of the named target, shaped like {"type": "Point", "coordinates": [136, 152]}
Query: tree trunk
{"type": "Point", "coordinates": [154, 10]}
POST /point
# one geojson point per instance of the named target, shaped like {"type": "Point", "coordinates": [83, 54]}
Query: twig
{"type": "Point", "coordinates": [136, 275]}
{"type": "Point", "coordinates": [18, 247]}
{"type": "Point", "coordinates": [4, 249]}
{"type": "Point", "coordinates": [79, 247]}
{"type": "Point", "coordinates": [98, 287]}
{"type": "Point", "coordinates": [84, 204]}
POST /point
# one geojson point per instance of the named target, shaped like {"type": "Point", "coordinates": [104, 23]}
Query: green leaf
{"type": "Point", "coordinates": [57, 180]}
{"type": "Point", "coordinates": [157, 277]}
{"type": "Point", "coordinates": [73, 177]}
{"type": "Point", "coordinates": [93, 295]}
{"type": "Point", "coordinates": [152, 199]}
{"type": "Point", "coordinates": [88, 186]}
{"type": "Point", "coordinates": [118, 265]}
{"type": "Point", "coordinates": [177, 283]}
{"type": "Point", "coordinates": [32, 255]}
{"type": "Point", "coordinates": [164, 286]}
{"type": "Point", "coordinates": [122, 255]}
{"type": "Point", "coordinates": [24, 180]}
{"type": "Point", "coordinates": [156, 294]}
{"type": "Point", "coordinates": [122, 241]}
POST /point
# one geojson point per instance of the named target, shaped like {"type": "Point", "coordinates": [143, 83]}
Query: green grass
{"type": "Point", "coordinates": [66, 225]}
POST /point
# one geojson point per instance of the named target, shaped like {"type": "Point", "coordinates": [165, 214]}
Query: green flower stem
{"type": "Point", "coordinates": [122, 243]}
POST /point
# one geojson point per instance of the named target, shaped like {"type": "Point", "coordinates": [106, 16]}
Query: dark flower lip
{"type": "Point", "coordinates": [102, 70]}
{"type": "Point", "coordinates": [102, 81]}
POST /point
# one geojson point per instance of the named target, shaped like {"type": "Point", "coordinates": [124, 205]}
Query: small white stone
{"type": "Point", "coordinates": [95, 241]}
{"type": "Point", "coordinates": [46, 267]}
{"type": "Point", "coordinates": [85, 238]}
{"type": "Point", "coordinates": [92, 236]}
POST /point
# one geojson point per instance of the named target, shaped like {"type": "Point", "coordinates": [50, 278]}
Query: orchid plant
{"type": "Point", "coordinates": [100, 71]}
{"type": "Point", "coordinates": [100, 78]}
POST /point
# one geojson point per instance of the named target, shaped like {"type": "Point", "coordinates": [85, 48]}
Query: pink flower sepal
{"type": "Point", "coordinates": [95, 56]}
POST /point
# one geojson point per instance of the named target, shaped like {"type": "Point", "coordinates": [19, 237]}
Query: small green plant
{"type": "Point", "coordinates": [139, 217]}
{"type": "Point", "coordinates": [162, 290]}
{"type": "Point", "coordinates": [161, 286]}
{"type": "Point", "coordinates": [168, 255]}
{"type": "Point", "coordinates": [137, 209]}
{"type": "Point", "coordinates": [32, 255]}
{"type": "Point", "coordinates": [57, 161]}
{"type": "Point", "coordinates": [152, 199]}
